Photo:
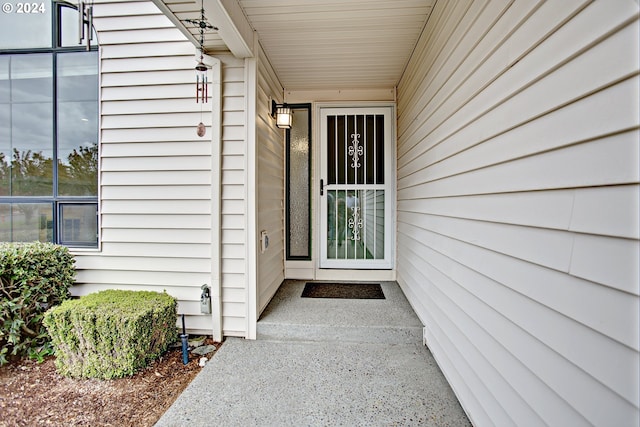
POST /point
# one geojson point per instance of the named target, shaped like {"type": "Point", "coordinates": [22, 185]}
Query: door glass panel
{"type": "Point", "coordinates": [355, 224]}
{"type": "Point", "coordinates": [355, 149]}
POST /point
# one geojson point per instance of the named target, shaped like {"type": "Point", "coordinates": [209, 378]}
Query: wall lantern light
{"type": "Point", "coordinates": [282, 114]}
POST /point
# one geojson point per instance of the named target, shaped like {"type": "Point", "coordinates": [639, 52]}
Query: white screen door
{"type": "Point", "coordinates": [356, 228]}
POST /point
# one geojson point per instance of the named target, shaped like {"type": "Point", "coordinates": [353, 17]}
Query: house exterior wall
{"type": "Point", "coordinates": [518, 207]}
{"type": "Point", "coordinates": [234, 267]}
{"type": "Point", "coordinates": [269, 184]}
{"type": "Point", "coordinates": [160, 203]}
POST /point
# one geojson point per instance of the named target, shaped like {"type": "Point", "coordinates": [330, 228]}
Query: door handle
{"type": "Point", "coordinates": [321, 187]}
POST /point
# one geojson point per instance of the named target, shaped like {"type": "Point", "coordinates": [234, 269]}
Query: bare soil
{"type": "Point", "coordinates": [34, 394]}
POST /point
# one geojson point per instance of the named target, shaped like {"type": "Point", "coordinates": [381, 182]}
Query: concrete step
{"type": "Point", "coordinates": [354, 334]}
{"type": "Point", "coordinates": [289, 317]}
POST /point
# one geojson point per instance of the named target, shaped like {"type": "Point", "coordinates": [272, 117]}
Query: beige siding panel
{"type": "Point", "coordinates": [235, 282]}
{"type": "Point", "coordinates": [148, 278]}
{"type": "Point", "coordinates": [233, 215]}
{"type": "Point", "coordinates": [147, 50]}
{"type": "Point", "coordinates": [164, 120]}
{"type": "Point", "coordinates": [143, 149]}
{"type": "Point", "coordinates": [235, 326]}
{"type": "Point", "coordinates": [548, 133]}
{"type": "Point", "coordinates": [270, 184]}
{"type": "Point", "coordinates": [165, 63]}
{"type": "Point", "coordinates": [183, 293]}
{"type": "Point", "coordinates": [151, 251]}
{"type": "Point", "coordinates": [140, 36]}
{"type": "Point", "coordinates": [233, 207]}
{"type": "Point", "coordinates": [117, 23]}
{"type": "Point", "coordinates": [567, 337]}
{"type": "Point", "coordinates": [231, 294]}
{"type": "Point", "coordinates": [147, 207]}
{"type": "Point", "coordinates": [181, 235]}
{"type": "Point", "coordinates": [150, 106]}
{"type": "Point", "coordinates": [600, 162]}
{"type": "Point", "coordinates": [155, 207]}
{"type": "Point", "coordinates": [607, 211]}
{"type": "Point", "coordinates": [151, 163]}
{"type": "Point", "coordinates": [518, 207]}
{"type": "Point", "coordinates": [156, 178]}
{"type": "Point", "coordinates": [200, 192]}
{"type": "Point", "coordinates": [233, 133]}
{"type": "Point", "coordinates": [125, 263]}
{"type": "Point", "coordinates": [182, 134]}
{"type": "Point", "coordinates": [232, 236]}
{"type": "Point", "coordinates": [504, 85]}
{"type": "Point", "coordinates": [145, 78]}
{"type": "Point", "coordinates": [174, 91]}
{"type": "Point", "coordinates": [109, 9]}
{"type": "Point", "coordinates": [155, 220]}
{"type": "Point", "coordinates": [599, 210]}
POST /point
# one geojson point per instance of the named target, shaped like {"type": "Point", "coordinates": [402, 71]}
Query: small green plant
{"type": "Point", "coordinates": [111, 334]}
{"type": "Point", "coordinates": [33, 277]}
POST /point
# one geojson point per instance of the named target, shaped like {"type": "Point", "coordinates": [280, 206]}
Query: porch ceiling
{"type": "Point", "coordinates": [317, 44]}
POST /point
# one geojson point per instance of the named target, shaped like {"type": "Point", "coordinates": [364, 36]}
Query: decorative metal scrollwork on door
{"type": "Point", "coordinates": [355, 150]}
{"type": "Point", "coordinates": [355, 223]}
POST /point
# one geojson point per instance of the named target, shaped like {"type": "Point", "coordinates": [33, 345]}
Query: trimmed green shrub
{"type": "Point", "coordinates": [111, 334]}
{"type": "Point", "coordinates": [33, 277]}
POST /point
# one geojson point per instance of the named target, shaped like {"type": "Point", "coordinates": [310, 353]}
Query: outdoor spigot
{"type": "Point", "coordinates": [205, 300]}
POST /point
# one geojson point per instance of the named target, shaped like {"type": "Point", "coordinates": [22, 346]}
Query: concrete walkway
{"type": "Point", "coordinates": [320, 362]}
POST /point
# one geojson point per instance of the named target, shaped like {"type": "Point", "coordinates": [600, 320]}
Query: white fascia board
{"type": "Point", "coordinates": [233, 26]}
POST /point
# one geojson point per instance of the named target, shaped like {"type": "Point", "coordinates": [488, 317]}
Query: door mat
{"type": "Point", "coordinates": [343, 290]}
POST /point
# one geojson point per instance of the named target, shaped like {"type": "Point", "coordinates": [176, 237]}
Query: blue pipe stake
{"type": "Point", "coordinates": [185, 343]}
{"type": "Point", "coordinates": [185, 348]}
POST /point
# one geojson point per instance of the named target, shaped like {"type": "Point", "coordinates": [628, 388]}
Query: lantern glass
{"type": "Point", "coordinates": [283, 117]}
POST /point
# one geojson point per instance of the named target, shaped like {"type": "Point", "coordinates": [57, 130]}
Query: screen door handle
{"type": "Point", "coordinates": [321, 187]}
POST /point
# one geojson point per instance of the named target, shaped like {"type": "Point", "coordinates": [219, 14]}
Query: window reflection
{"type": "Point", "coordinates": [26, 222]}
{"type": "Point", "coordinates": [48, 150]}
{"type": "Point", "coordinates": [78, 124]}
{"type": "Point", "coordinates": [25, 30]}
{"type": "Point", "coordinates": [78, 224]}
{"type": "Point", "coordinates": [26, 149]}
{"type": "Point", "coordinates": [69, 34]}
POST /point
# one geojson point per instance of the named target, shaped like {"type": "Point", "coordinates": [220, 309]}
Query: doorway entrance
{"type": "Point", "coordinates": [356, 188]}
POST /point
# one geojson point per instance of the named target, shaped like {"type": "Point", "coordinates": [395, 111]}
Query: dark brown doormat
{"type": "Point", "coordinates": [343, 290]}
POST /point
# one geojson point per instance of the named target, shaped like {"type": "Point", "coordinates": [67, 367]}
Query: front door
{"type": "Point", "coordinates": [356, 194]}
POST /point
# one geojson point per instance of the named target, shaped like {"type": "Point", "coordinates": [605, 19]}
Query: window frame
{"type": "Point", "coordinates": [288, 173]}
{"type": "Point", "coordinates": [57, 201]}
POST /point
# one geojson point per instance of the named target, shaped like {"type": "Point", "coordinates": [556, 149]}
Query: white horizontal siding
{"type": "Point", "coordinates": [270, 183]}
{"type": "Point", "coordinates": [518, 207]}
{"type": "Point", "coordinates": [155, 173]}
{"type": "Point", "coordinates": [233, 215]}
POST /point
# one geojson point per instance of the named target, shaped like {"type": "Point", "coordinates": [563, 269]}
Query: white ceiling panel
{"type": "Point", "coordinates": [328, 44]}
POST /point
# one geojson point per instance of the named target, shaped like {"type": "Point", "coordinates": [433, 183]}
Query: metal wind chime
{"type": "Point", "coordinates": [202, 89]}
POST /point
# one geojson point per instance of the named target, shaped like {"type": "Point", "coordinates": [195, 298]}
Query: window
{"type": "Point", "coordinates": [48, 127]}
{"type": "Point", "coordinates": [298, 184]}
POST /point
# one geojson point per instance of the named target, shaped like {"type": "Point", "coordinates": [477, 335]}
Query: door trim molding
{"type": "Point", "coordinates": [384, 273]}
